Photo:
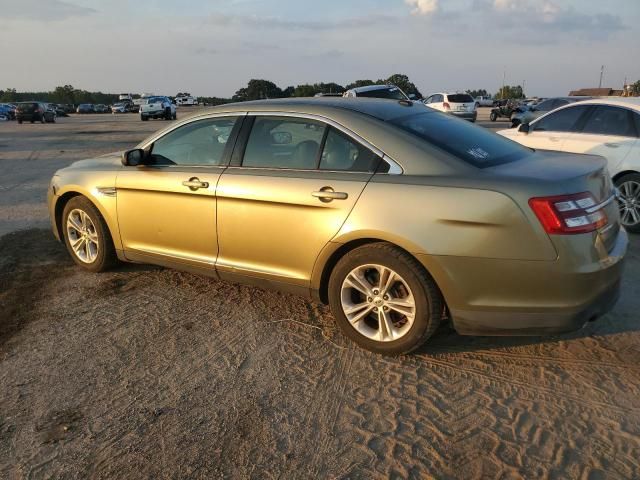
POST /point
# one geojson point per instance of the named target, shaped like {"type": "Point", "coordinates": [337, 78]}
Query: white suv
{"type": "Point", "coordinates": [461, 105]}
{"type": "Point", "coordinates": [158, 107]}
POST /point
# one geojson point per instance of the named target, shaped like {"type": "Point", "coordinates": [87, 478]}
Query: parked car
{"type": "Point", "coordinates": [484, 101]}
{"type": "Point", "coordinates": [59, 109]}
{"type": "Point", "coordinates": [461, 105]}
{"type": "Point", "coordinates": [529, 114]}
{"type": "Point", "coordinates": [101, 108]}
{"type": "Point", "coordinates": [8, 110]}
{"type": "Point", "coordinates": [158, 107]}
{"type": "Point", "coordinates": [186, 99]}
{"type": "Point", "coordinates": [34, 112]}
{"type": "Point", "coordinates": [606, 127]}
{"type": "Point", "coordinates": [86, 108]}
{"type": "Point", "coordinates": [437, 216]}
{"type": "Point", "coordinates": [390, 92]}
{"type": "Point", "coordinates": [119, 108]}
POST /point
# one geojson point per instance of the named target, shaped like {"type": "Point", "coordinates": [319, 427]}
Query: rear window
{"type": "Point", "coordinates": [391, 93]}
{"type": "Point", "coordinates": [470, 143]}
{"type": "Point", "coordinates": [27, 107]}
{"type": "Point", "coordinates": [154, 99]}
{"type": "Point", "coordinates": [460, 98]}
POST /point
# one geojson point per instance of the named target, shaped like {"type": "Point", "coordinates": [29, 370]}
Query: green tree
{"type": "Point", "coordinates": [304, 91]}
{"type": "Point", "coordinates": [509, 91]}
{"type": "Point", "coordinates": [9, 95]}
{"type": "Point", "coordinates": [635, 88]}
{"type": "Point", "coordinates": [402, 81]}
{"type": "Point", "coordinates": [478, 93]}
{"type": "Point", "coordinates": [64, 94]}
{"type": "Point", "coordinates": [258, 90]}
{"type": "Point", "coordinates": [361, 83]}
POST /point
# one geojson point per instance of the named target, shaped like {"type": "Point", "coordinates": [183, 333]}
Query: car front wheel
{"type": "Point", "coordinates": [87, 236]}
{"type": "Point", "coordinates": [384, 300]}
{"type": "Point", "coordinates": [493, 117]}
{"type": "Point", "coordinates": [629, 201]}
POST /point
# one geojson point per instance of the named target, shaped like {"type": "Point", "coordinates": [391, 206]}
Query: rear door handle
{"type": "Point", "coordinates": [327, 194]}
{"type": "Point", "coordinates": [194, 184]}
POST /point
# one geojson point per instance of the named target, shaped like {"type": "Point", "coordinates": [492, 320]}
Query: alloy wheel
{"type": "Point", "coordinates": [83, 236]}
{"type": "Point", "coordinates": [629, 203]}
{"type": "Point", "coordinates": [378, 302]}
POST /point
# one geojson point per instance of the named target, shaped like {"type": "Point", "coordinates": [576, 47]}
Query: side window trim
{"type": "Point", "coordinates": [394, 167]}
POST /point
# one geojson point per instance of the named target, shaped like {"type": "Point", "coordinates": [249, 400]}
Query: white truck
{"type": "Point", "coordinates": [484, 101]}
{"type": "Point", "coordinates": [158, 107]}
{"type": "Point", "coordinates": [186, 99]}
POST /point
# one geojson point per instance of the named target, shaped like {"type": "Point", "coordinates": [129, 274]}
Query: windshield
{"type": "Point", "coordinates": [392, 93]}
{"type": "Point", "coordinates": [470, 143]}
{"type": "Point", "coordinates": [154, 99]}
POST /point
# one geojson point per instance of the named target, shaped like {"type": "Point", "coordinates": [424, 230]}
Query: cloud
{"type": "Point", "coordinates": [423, 7]}
{"type": "Point", "coordinates": [256, 21]}
{"type": "Point", "coordinates": [50, 10]}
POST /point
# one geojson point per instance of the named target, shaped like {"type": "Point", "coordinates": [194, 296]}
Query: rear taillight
{"type": "Point", "coordinates": [446, 106]}
{"type": "Point", "coordinates": [567, 214]}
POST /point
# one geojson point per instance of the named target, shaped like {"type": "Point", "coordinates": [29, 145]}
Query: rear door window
{"type": "Point", "coordinates": [608, 120]}
{"type": "Point", "coordinates": [564, 120]}
{"type": "Point", "coordinates": [342, 153]}
{"type": "Point", "coordinates": [284, 142]}
{"type": "Point", "coordinates": [470, 143]}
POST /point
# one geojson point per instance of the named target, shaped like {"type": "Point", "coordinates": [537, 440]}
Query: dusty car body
{"type": "Point", "coordinates": [392, 213]}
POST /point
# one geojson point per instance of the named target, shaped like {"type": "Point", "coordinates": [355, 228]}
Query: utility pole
{"type": "Point", "coordinates": [504, 77]}
{"type": "Point", "coordinates": [601, 75]}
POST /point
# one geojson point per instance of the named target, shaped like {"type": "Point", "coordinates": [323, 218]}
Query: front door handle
{"type": "Point", "coordinates": [194, 184]}
{"type": "Point", "coordinates": [327, 194]}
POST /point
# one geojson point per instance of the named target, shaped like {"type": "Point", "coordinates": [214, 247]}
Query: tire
{"type": "Point", "coordinates": [629, 187]}
{"type": "Point", "coordinates": [413, 286]}
{"type": "Point", "coordinates": [515, 123]}
{"type": "Point", "coordinates": [493, 116]}
{"type": "Point", "coordinates": [175, 116]}
{"type": "Point", "coordinates": [167, 114]}
{"type": "Point", "coordinates": [53, 119]}
{"type": "Point", "coordinates": [101, 254]}
{"type": "Point", "coordinates": [144, 118]}
{"type": "Point", "coordinates": [20, 122]}
{"type": "Point", "coordinates": [43, 119]}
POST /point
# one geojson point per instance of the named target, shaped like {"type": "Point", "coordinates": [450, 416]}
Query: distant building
{"type": "Point", "coordinates": [596, 92]}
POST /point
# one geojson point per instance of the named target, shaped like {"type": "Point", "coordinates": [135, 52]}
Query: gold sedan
{"type": "Point", "coordinates": [392, 213]}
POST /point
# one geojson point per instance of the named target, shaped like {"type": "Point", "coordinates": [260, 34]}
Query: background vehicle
{"type": "Point", "coordinates": [484, 101]}
{"type": "Point", "coordinates": [529, 114]}
{"type": "Point", "coordinates": [185, 99]}
{"type": "Point", "coordinates": [34, 112]}
{"type": "Point", "coordinates": [158, 107]}
{"type": "Point", "coordinates": [8, 110]}
{"type": "Point", "coordinates": [504, 109]}
{"type": "Point", "coordinates": [607, 127]}
{"type": "Point", "coordinates": [438, 214]}
{"type": "Point", "coordinates": [461, 105]}
{"type": "Point", "coordinates": [101, 108]}
{"type": "Point", "coordinates": [377, 91]}
{"type": "Point", "coordinates": [61, 110]}
{"type": "Point", "coordinates": [85, 108]}
{"type": "Point", "coordinates": [125, 96]}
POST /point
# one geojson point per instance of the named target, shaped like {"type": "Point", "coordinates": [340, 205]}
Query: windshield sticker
{"type": "Point", "coordinates": [478, 153]}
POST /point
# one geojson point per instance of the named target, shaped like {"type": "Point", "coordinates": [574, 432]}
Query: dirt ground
{"type": "Point", "coordinates": [145, 372]}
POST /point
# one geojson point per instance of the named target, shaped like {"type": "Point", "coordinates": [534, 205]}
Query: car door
{"type": "Point", "coordinates": [291, 185]}
{"type": "Point", "coordinates": [167, 206]}
{"type": "Point", "coordinates": [609, 131]}
{"type": "Point", "coordinates": [551, 131]}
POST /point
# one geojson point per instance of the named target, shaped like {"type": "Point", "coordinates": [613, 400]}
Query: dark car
{"type": "Point", "coordinates": [34, 112]}
{"type": "Point", "coordinates": [86, 108]}
{"type": "Point", "coordinates": [529, 114]}
{"type": "Point", "coordinates": [59, 109]}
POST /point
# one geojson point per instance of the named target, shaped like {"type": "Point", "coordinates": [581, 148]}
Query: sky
{"type": "Point", "coordinates": [214, 47]}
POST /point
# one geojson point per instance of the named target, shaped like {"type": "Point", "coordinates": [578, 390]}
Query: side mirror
{"type": "Point", "coordinates": [133, 158]}
{"type": "Point", "coordinates": [524, 128]}
{"type": "Point", "coordinates": [281, 138]}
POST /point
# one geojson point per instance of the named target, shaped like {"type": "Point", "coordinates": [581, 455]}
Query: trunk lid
{"type": "Point", "coordinates": [567, 173]}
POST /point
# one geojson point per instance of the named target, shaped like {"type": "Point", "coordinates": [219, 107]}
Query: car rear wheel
{"type": "Point", "coordinates": [87, 236]}
{"type": "Point", "coordinates": [629, 201]}
{"type": "Point", "coordinates": [384, 300]}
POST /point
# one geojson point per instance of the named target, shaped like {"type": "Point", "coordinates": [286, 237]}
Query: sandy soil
{"type": "Point", "coordinates": [145, 372]}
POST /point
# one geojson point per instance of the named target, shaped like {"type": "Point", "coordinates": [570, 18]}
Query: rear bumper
{"type": "Point", "coordinates": [513, 297]}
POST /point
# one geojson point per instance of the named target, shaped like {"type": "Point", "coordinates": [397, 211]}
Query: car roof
{"type": "Point", "coordinates": [630, 102]}
{"type": "Point", "coordinates": [382, 109]}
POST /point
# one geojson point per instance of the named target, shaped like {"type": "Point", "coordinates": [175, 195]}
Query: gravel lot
{"type": "Point", "coordinates": [144, 372]}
